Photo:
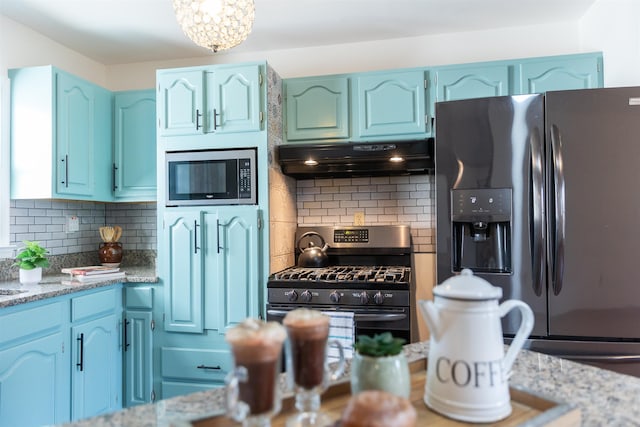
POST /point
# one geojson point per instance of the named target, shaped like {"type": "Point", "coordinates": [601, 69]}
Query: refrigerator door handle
{"type": "Point", "coordinates": [537, 211]}
{"type": "Point", "coordinates": [557, 254]}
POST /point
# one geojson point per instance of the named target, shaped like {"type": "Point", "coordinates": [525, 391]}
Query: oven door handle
{"type": "Point", "coordinates": [277, 313]}
{"type": "Point", "coordinates": [378, 317]}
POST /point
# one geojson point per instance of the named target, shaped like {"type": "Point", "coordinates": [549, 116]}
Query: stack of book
{"type": "Point", "coordinates": [94, 273]}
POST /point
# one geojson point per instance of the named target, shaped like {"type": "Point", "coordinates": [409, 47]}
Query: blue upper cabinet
{"type": "Point", "coordinates": [561, 73]}
{"type": "Point", "coordinates": [317, 108]}
{"type": "Point", "coordinates": [390, 104]}
{"type": "Point", "coordinates": [134, 140]}
{"type": "Point", "coordinates": [181, 102]}
{"type": "Point", "coordinates": [469, 81]}
{"type": "Point", "coordinates": [66, 121]}
{"type": "Point", "coordinates": [75, 107]}
{"type": "Point", "coordinates": [236, 99]}
{"type": "Point", "coordinates": [218, 99]}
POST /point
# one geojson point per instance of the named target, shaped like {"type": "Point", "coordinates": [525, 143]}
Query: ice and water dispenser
{"type": "Point", "coordinates": [481, 229]}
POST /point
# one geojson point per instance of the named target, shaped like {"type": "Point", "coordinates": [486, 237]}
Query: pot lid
{"type": "Point", "coordinates": [466, 286]}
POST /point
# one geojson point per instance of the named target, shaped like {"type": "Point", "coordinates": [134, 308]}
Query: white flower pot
{"type": "Point", "coordinates": [390, 373]}
{"type": "Point", "coordinates": [31, 276]}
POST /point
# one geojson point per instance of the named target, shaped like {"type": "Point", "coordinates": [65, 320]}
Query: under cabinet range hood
{"type": "Point", "coordinates": [343, 159]}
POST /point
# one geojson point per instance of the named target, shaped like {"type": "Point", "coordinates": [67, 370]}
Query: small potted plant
{"type": "Point", "coordinates": [379, 364]}
{"type": "Point", "coordinates": [31, 259]}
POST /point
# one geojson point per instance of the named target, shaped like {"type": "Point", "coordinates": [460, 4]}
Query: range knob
{"type": "Point", "coordinates": [334, 297]}
{"type": "Point", "coordinates": [292, 295]}
{"type": "Point", "coordinates": [306, 296]}
{"type": "Point", "coordinates": [364, 297]}
{"type": "Point", "coordinates": [378, 298]}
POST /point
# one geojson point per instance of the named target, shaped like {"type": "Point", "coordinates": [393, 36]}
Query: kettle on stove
{"type": "Point", "coordinates": [468, 370]}
{"type": "Point", "coordinates": [312, 255]}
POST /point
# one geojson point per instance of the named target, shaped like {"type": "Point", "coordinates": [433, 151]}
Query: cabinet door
{"type": "Point", "coordinates": [181, 104]}
{"type": "Point", "coordinates": [75, 122]}
{"type": "Point", "coordinates": [134, 168]}
{"type": "Point", "coordinates": [472, 82]}
{"type": "Point", "coordinates": [561, 74]}
{"type": "Point", "coordinates": [96, 367]}
{"type": "Point", "coordinates": [138, 357]}
{"type": "Point", "coordinates": [391, 104]}
{"type": "Point", "coordinates": [182, 267]}
{"type": "Point", "coordinates": [236, 100]}
{"type": "Point", "coordinates": [238, 266]}
{"type": "Point", "coordinates": [34, 383]}
{"type": "Point", "coordinates": [317, 108]}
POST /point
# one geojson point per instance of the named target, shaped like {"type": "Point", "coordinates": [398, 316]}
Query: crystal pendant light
{"type": "Point", "coordinates": [215, 24]}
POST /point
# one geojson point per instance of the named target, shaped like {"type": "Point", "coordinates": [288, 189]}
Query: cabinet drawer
{"type": "Point", "coordinates": [139, 298]}
{"type": "Point", "coordinates": [32, 321]}
{"type": "Point", "coordinates": [196, 364]}
{"type": "Point", "coordinates": [94, 304]}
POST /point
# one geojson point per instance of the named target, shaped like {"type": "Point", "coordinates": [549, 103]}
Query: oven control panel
{"type": "Point", "coordinates": [351, 235]}
{"type": "Point", "coordinates": [352, 297]}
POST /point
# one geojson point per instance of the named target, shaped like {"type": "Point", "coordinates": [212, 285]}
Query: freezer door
{"type": "Point", "coordinates": [496, 143]}
{"type": "Point", "coordinates": [593, 145]}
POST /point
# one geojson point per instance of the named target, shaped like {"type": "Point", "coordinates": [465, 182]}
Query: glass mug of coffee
{"type": "Point", "coordinates": [253, 392]}
{"type": "Point", "coordinates": [308, 371]}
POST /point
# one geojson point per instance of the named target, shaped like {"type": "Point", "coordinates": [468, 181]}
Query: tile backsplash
{"type": "Point", "coordinates": [383, 201]}
{"type": "Point", "coordinates": [46, 221]}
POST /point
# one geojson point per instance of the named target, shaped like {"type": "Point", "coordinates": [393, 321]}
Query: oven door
{"type": "Point", "coordinates": [368, 320]}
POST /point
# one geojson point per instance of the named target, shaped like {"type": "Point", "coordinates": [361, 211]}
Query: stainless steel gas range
{"type": "Point", "coordinates": [367, 271]}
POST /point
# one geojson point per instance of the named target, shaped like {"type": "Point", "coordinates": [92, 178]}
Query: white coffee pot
{"type": "Point", "coordinates": [467, 370]}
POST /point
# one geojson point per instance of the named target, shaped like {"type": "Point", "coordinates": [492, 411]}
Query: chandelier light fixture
{"type": "Point", "coordinates": [215, 24]}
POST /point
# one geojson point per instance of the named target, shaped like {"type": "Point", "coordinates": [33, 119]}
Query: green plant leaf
{"type": "Point", "coordinates": [380, 345]}
{"type": "Point", "coordinates": [31, 256]}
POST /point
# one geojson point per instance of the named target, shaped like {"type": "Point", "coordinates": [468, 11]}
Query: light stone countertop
{"type": "Point", "coordinates": [604, 398]}
{"type": "Point", "coordinates": [51, 286]}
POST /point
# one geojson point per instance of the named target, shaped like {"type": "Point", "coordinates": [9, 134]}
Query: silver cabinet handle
{"type": "Point", "coordinates": [195, 236]}
{"type": "Point", "coordinates": [198, 115]}
{"type": "Point", "coordinates": [65, 181]}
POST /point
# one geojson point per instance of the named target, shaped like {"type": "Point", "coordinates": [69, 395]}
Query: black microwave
{"type": "Point", "coordinates": [211, 177]}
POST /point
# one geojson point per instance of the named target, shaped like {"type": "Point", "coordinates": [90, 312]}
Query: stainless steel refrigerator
{"type": "Point", "coordinates": [540, 195]}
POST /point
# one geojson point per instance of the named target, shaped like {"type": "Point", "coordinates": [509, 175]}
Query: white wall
{"type": "Point", "coordinates": [612, 26]}
{"type": "Point", "coordinates": [23, 47]}
{"type": "Point", "coordinates": [609, 26]}
{"type": "Point", "coordinates": [452, 48]}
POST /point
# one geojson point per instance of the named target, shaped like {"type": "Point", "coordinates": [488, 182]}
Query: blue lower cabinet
{"type": "Point", "coordinates": [187, 370]}
{"type": "Point", "coordinates": [34, 383]}
{"type": "Point", "coordinates": [96, 358]}
{"type": "Point", "coordinates": [139, 327]}
{"type": "Point", "coordinates": [61, 359]}
{"type": "Point", "coordinates": [34, 367]}
{"type": "Point", "coordinates": [96, 380]}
